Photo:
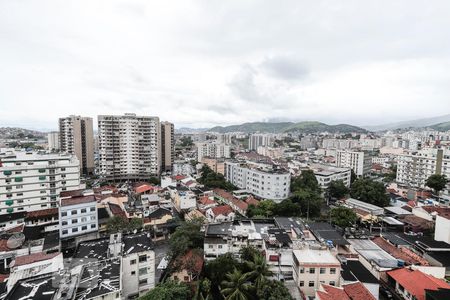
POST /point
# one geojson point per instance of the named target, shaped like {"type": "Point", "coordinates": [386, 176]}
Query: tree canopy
{"type": "Point", "coordinates": [211, 179]}
{"type": "Point", "coordinates": [369, 191]}
{"type": "Point", "coordinates": [337, 189]}
{"type": "Point", "coordinates": [187, 236]}
{"type": "Point", "coordinates": [122, 224]}
{"type": "Point", "coordinates": [169, 290]}
{"type": "Point", "coordinates": [437, 182]}
{"type": "Point", "coordinates": [343, 216]}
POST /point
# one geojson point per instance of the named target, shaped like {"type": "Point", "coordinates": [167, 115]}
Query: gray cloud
{"type": "Point", "coordinates": [284, 67]}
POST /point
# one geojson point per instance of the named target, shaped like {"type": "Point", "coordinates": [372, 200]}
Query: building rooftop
{"type": "Point", "coordinates": [406, 255]}
{"type": "Point", "coordinates": [354, 270]}
{"type": "Point", "coordinates": [396, 210]}
{"type": "Point", "coordinates": [416, 282]}
{"type": "Point", "coordinates": [325, 231]}
{"type": "Point", "coordinates": [94, 249]}
{"type": "Point", "coordinates": [99, 278]}
{"type": "Point", "coordinates": [373, 253]}
{"type": "Point", "coordinates": [78, 200]}
{"type": "Point", "coordinates": [315, 256]}
{"type": "Point", "coordinates": [136, 243]}
{"type": "Point", "coordinates": [224, 210]}
{"type": "Point", "coordinates": [373, 209]}
{"type": "Point", "coordinates": [39, 287]}
{"type": "Point", "coordinates": [32, 258]}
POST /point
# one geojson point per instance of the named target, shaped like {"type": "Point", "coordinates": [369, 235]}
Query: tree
{"type": "Point", "coordinates": [343, 216]}
{"type": "Point", "coordinates": [337, 189]}
{"type": "Point", "coordinates": [215, 271]}
{"type": "Point", "coordinates": [186, 236]}
{"type": "Point", "coordinates": [310, 202]}
{"type": "Point", "coordinates": [169, 290]}
{"type": "Point", "coordinates": [352, 176]}
{"type": "Point", "coordinates": [369, 191]}
{"type": "Point", "coordinates": [306, 180]}
{"type": "Point", "coordinates": [273, 290]}
{"type": "Point", "coordinates": [265, 209]}
{"type": "Point", "coordinates": [154, 180]}
{"type": "Point", "coordinates": [117, 224]}
{"type": "Point", "coordinates": [287, 208]}
{"type": "Point", "coordinates": [259, 270]}
{"type": "Point", "coordinates": [437, 182]}
{"type": "Point", "coordinates": [237, 286]}
{"type": "Point", "coordinates": [135, 224]}
{"type": "Point", "coordinates": [211, 179]}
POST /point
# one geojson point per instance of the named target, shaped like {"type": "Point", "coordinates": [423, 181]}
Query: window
{"type": "Point", "coordinates": [210, 246]}
{"type": "Point", "coordinates": [84, 227]}
{"type": "Point", "coordinates": [92, 208]}
{"type": "Point", "coordinates": [83, 219]}
{"type": "Point", "coordinates": [133, 273]}
{"type": "Point", "coordinates": [64, 214]}
{"type": "Point", "coordinates": [132, 262]}
{"type": "Point", "coordinates": [19, 186]}
{"type": "Point", "coordinates": [302, 270]}
{"type": "Point", "coordinates": [332, 283]}
{"type": "Point", "coordinates": [142, 271]}
{"type": "Point", "coordinates": [302, 283]}
{"type": "Point", "coordinates": [322, 270]}
{"type": "Point", "coordinates": [83, 210]}
{"type": "Point", "coordinates": [333, 271]}
{"type": "Point", "coordinates": [64, 223]}
{"type": "Point", "coordinates": [220, 246]}
{"type": "Point", "coordinates": [64, 231]}
{"type": "Point", "coordinates": [74, 221]}
{"type": "Point", "coordinates": [311, 283]}
{"type": "Point", "coordinates": [312, 270]}
{"type": "Point", "coordinates": [93, 225]}
{"type": "Point", "coordinates": [143, 258]}
{"type": "Point", "coordinates": [73, 212]}
{"type": "Point", "coordinates": [74, 229]}
{"type": "Point", "coordinates": [143, 282]}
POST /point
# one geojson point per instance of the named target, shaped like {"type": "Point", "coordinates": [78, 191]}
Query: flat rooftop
{"type": "Point", "coordinates": [373, 253]}
{"type": "Point", "coordinates": [78, 200]}
{"type": "Point", "coordinates": [315, 256]}
{"type": "Point", "coordinates": [39, 287]}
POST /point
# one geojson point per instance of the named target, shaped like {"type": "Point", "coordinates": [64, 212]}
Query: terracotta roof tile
{"type": "Point", "coordinates": [357, 291]}
{"type": "Point", "coordinates": [32, 258]}
{"type": "Point", "coordinates": [224, 210]}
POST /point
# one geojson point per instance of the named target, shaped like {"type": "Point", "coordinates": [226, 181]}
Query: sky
{"type": "Point", "coordinates": [214, 62]}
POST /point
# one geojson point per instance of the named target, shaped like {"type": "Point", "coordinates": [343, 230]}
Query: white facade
{"type": "Point", "coordinates": [129, 146]}
{"type": "Point", "coordinates": [442, 229]}
{"type": "Point", "coordinates": [260, 139]}
{"type": "Point", "coordinates": [326, 174]}
{"type": "Point", "coordinates": [313, 267]}
{"type": "Point", "coordinates": [359, 161]}
{"type": "Point", "coordinates": [53, 141]}
{"type": "Point", "coordinates": [32, 181]}
{"type": "Point", "coordinates": [415, 167]}
{"type": "Point", "coordinates": [212, 150]}
{"type": "Point", "coordinates": [273, 185]}
{"type": "Point", "coordinates": [78, 216]}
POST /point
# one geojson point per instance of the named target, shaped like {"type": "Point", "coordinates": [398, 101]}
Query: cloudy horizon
{"type": "Point", "coordinates": [206, 63]}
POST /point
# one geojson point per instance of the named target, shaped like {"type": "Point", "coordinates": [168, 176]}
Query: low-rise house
{"type": "Point", "coordinates": [222, 213]}
{"type": "Point", "coordinates": [350, 291]}
{"type": "Point", "coordinates": [188, 267]}
{"type": "Point", "coordinates": [413, 284]}
{"type": "Point", "coordinates": [236, 204]}
{"type": "Point", "coordinates": [314, 265]}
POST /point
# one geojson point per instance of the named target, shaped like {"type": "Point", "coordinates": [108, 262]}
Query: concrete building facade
{"type": "Point", "coordinates": [167, 146]}
{"type": "Point", "coordinates": [359, 161]}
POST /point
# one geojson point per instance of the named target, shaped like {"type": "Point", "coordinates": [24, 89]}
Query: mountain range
{"type": "Point", "coordinates": [280, 127]}
{"type": "Point", "coordinates": [432, 122]}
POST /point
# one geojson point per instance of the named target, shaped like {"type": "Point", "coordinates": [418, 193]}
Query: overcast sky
{"type": "Point", "coordinates": [205, 63]}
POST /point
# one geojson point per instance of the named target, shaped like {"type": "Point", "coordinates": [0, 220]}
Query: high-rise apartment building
{"type": "Point", "coordinates": [212, 150]}
{"type": "Point", "coordinates": [359, 161]}
{"type": "Point", "coordinates": [53, 141]}
{"type": "Point", "coordinates": [129, 147]}
{"type": "Point", "coordinates": [414, 167]}
{"type": "Point", "coordinates": [76, 135]}
{"type": "Point", "coordinates": [31, 181]}
{"type": "Point", "coordinates": [260, 139]}
{"type": "Point", "coordinates": [167, 146]}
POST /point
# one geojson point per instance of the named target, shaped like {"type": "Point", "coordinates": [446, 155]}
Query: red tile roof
{"type": "Point", "coordinates": [142, 188]}
{"type": "Point", "coordinates": [440, 210]}
{"type": "Point", "coordinates": [78, 200]}
{"type": "Point", "coordinates": [251, 201]}
{"type": "Point", "coordinates": [223, 210]}
{"type": "Point", "coordinates": [357, 291]}
{"type": "Point", "coordinates": [398, 253]}
{"type": "Point", "coordinates": [3, 277]}
{"type": "Point", "coordinates": [205, 200]}
{"type": "Point", "coordinates": [37, 214]}
{"type": "Point", "coordinates": [191, 260]}
{"type": "Point", "coordinates": [75, 193]}
{"type": "Point", "coordinates": [116, 210]}
{"type": "Point", "coordinates": [179, 177]}
{"type": "Point", "coordinates": [332, 293]}
{"type": "Point", "coordinates": [416, 282]}
{"type": "Point", "coordinates": [228, 196]}
{"type": "Point", "coordinates": [32, 258]}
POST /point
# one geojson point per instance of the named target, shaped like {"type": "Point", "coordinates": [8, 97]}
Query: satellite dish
{"type": "Point", "coordinates": [15, 241]}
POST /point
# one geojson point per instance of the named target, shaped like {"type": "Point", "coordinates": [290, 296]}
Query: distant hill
{"type": "Point", "coordinates": [304, 127]}
{"type": "Point", "coordinates": [19, 133]}
{"type": "Point", "coordinates": [441, 126]}
{"type": "Point", "coordinates": [418, 123]}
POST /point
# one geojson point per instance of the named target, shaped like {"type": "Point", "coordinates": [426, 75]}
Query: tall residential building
{"type": "Point", "coordinates": [167, 146]}
{"type": "Point", "coordinates": [32, 181]}
{"type": "Point", "coordinates": [212, 150]}
{"type": "Point", "coordinates": [415, 167]}
{"type": "Point", "coordinates": [76, 135]}
{"type": "Point", "coordinates": [260, 139]}
{"type": "Point", "coordinates": [267, 184]}
{"type": "Point", "coordinates": [359, 161]}
{"type": "Point", "coordinates": [53, 141]}
{"type": "Point", "coordinates": [129, 147]}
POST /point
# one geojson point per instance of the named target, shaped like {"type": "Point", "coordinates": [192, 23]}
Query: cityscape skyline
{"type": "Point", "coordinates": [224, 61]}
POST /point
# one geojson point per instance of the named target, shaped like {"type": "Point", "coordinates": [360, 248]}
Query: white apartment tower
{"type": "Point", "coordinates": [53, 141]}
{"type": "Point", "coordinates": [76, 135]}
{"type": "Point", "coordinates": [260, 139]}
{"type": "Point", "coordinates": [32, 181]}
{"type": "Point", "coordinates": [212, 150]}
{"type": "Point", "coordinates": [129, 147]}
{"type": "Point", "coordinates": [359, 161]}
{"type": "Point", "coordinates": [415, 167]}
{"type": "Point", "coordinates": [167, 146]}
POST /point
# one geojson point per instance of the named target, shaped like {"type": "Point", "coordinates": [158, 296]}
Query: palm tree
{"type": "Point", "coordinates": [260, 270]}
{"type": "Point", "coordinates": [237, 287]}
